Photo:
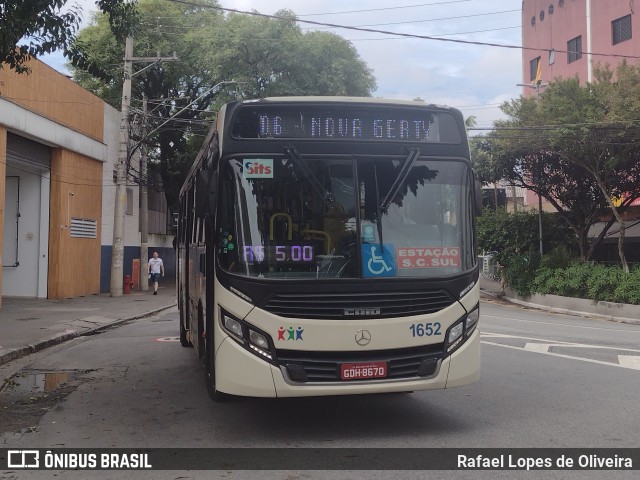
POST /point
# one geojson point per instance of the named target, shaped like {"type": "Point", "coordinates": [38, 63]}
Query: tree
{"type": "Point", "coordinates": [264, 56]}
{"type": "Point", "coordinates": [569, 147]}
{"type": "Point", "coordinates": [567, 187]}
{"type": "Point", "coordinates": [595, 131]}
{"type": "Point", "coordinates": [282, 60]}
{"type": "Point", "coordinates": [44, 28]}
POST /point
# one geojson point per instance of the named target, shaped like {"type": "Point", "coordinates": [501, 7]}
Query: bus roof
{"type": "Point", "coordinates": [337, 99]}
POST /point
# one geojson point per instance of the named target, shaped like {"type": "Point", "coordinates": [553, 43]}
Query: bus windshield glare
{"type": "Point", "coordinates": [284, 216]}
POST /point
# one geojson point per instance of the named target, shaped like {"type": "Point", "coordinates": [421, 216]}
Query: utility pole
{"type": "Point", "coordinates": [144, 204]}
{"type": "Point", "coordinates": [119, 212]}
{"type": "Point", "coordinates": [117, 252]}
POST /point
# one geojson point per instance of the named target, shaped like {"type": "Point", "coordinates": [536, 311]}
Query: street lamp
{"type": "Point", "coordinates": [537, 85]}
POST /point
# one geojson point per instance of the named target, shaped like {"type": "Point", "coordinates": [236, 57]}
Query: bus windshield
{"type": "Point", "coordinates": [284, 216]}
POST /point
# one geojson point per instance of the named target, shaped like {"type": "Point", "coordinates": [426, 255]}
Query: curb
{"type": "Point", "coordinates": [67, 335]}
{"type": "Point", "coordinates": [565, 311]}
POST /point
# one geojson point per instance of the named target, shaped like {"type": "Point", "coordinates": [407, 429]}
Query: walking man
{"type": "Point", "coordinates": [156, 268]}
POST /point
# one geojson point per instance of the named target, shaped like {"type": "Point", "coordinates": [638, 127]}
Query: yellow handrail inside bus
{"type": "Point", "coordinates": [289, 225]}
{"type": "Point", "coordinates": [319, 233]}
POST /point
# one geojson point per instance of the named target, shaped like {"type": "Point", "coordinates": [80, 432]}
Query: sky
{"type": "Point", "coordinates": [474, 78]}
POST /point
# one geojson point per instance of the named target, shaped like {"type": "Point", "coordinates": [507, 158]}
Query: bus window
{"type": "Point", "coordinates": [284, 221]}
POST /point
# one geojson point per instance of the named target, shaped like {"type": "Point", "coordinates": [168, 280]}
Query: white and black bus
{"type": "Point", "coordinates": [326, 246]}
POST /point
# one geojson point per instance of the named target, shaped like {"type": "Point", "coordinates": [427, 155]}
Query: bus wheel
{"type": "Point", "coordinates": [183, 331]}
{"type": "Point", "coordinates": [210, 368]}
{"type": "Point", "coordinates": [183, 336]}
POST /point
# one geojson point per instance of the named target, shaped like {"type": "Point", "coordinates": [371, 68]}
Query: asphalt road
{"type": "Point", "coordinates": [547, 381]}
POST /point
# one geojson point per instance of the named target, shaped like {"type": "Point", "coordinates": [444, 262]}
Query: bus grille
{"type": "Point", "coordinates": [305, 366]}
{"type": "Point", "coordinates": [358, 305]}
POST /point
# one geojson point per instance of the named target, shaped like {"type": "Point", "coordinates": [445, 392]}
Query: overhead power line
{"type": "Point", "coordinates": [396, 34]}
{"type": "Point", "coordinates": [381, 9]}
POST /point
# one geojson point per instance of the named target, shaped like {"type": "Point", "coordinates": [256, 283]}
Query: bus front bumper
{"type": "Point", "coordinates": [239, 372]}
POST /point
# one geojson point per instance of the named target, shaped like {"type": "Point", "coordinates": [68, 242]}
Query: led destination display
{"type": "Point", "coordinates": [345, 122]}
{"type": "Point", "coordinates": [294, 253]}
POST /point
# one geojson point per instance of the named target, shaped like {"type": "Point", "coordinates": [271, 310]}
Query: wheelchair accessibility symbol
{"type": "Point", "coordinates": [378, 261]}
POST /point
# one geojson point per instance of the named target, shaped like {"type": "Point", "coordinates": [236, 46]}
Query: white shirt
{"type": "Point", "coordinates": [155, 264]}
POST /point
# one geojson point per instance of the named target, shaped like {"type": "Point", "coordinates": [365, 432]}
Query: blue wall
{"type": "Point", "coordinates": [167, 254]}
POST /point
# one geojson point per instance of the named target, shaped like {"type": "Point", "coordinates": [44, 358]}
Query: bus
{"type": "Point", "coordinates": [326, 246]}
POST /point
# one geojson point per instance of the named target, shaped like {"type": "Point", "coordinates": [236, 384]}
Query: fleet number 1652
{"type": "Point", "coordinates": [425, 329]}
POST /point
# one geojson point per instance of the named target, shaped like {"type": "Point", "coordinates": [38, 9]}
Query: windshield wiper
{"type": "Point", "coordinates": [378, 209]}
{"type": "Point", "coordinates": [325, 194]}
{"type": "Point", "coordinates": [402, 175]}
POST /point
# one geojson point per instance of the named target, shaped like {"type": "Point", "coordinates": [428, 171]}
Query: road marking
{"type": "Point", "coordinates": [537, 347]}
{"type": "Point", "coordinates": [557, 343]}
{"type": "Point", "coordinates": [558, 324]}
{"type": "Point", "coordinates": [542, 346]}
{"type": "Point", "coordinates": [167, 339]}
{"type": "Point", "coordinates": [629, 361]}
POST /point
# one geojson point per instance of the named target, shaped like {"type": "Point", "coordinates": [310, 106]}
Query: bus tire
{"type": "Point", "coordinates": [184, 341]}
{"type": "Point", "coordinates": [183, 336]}
{"type": "Point", "coordinates": [210, 369]}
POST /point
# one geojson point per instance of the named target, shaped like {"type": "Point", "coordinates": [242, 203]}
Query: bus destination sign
{"type": "Point", "coordinates": [347, 122]}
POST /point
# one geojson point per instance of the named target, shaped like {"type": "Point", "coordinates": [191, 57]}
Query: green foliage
{"type": "Point", "coordinates": [42, 22]}
{"type": "Point", "coordinates": [517, 233]}
{"type": "Point", "coordinates": [283, 60]}
{"type": "Point", "coordinates": [559, 257]}
{"type": "Point", "coordinates": [515, 236]}
{"type": "Point", "coordinates": [47, 29]}
{"type": "Point", "coordinates": [588, 280]}
{"type": "Point", "coordinates": [520, 271]}
{"type": "Point", "coordinates": [628, 290]}
{"type": "Point", "coordinates": [601, 281]}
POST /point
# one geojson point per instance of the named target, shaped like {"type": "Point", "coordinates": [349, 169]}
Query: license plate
{"type": "Point", "coordinates": [363, 371]}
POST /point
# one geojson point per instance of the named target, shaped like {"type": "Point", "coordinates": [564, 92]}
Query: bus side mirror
{"type": "Point", "coordinates": [478, 198]}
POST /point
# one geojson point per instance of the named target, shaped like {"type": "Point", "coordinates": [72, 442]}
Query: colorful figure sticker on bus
{"type": "Point", "coordinates": [428, 257]}
{"type": "Point", "coordinates": [378, 260]}
{"type": "Point", "coordinates": [290, 334]}
{"type": "Point", "coordinates": [258, 168]}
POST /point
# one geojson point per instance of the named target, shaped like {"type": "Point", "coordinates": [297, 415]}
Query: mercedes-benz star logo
{"type": "Point", "coordinates": [363, 337]}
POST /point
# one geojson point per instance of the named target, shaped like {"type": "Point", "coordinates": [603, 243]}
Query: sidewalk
{"type": "Point", "coordinates": [28, 325]}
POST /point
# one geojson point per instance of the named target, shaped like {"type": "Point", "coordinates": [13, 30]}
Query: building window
{"type": "Point", "coordinates": [533, 68]}
{"type": "Point", "coordinates": [574, 49]}
{"type": "Point", "coordinates": [621, 29]}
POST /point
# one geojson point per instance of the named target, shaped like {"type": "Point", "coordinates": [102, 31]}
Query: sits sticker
{"type": "Point", "coordinates": [258, 168]}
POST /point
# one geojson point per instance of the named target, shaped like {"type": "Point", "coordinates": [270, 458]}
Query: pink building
{"type": "Point", "coordinates": [565, 38]}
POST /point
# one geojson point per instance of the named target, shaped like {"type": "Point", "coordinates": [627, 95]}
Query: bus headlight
{"type": "Point", "coordinates": [232, 325]}
{"type": "Point", "coordinates": [472, 321]}
{"type": "Point", "coordinates": [460, 331]}
{"type": "Point", "coordinates": [259, 344]}
{"type": "Point", "coordinates": [454, 337]}
{"type": "Point", "coordinates": [258, 339]}
{"type": "Point", "coordinates": [248, 336]}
